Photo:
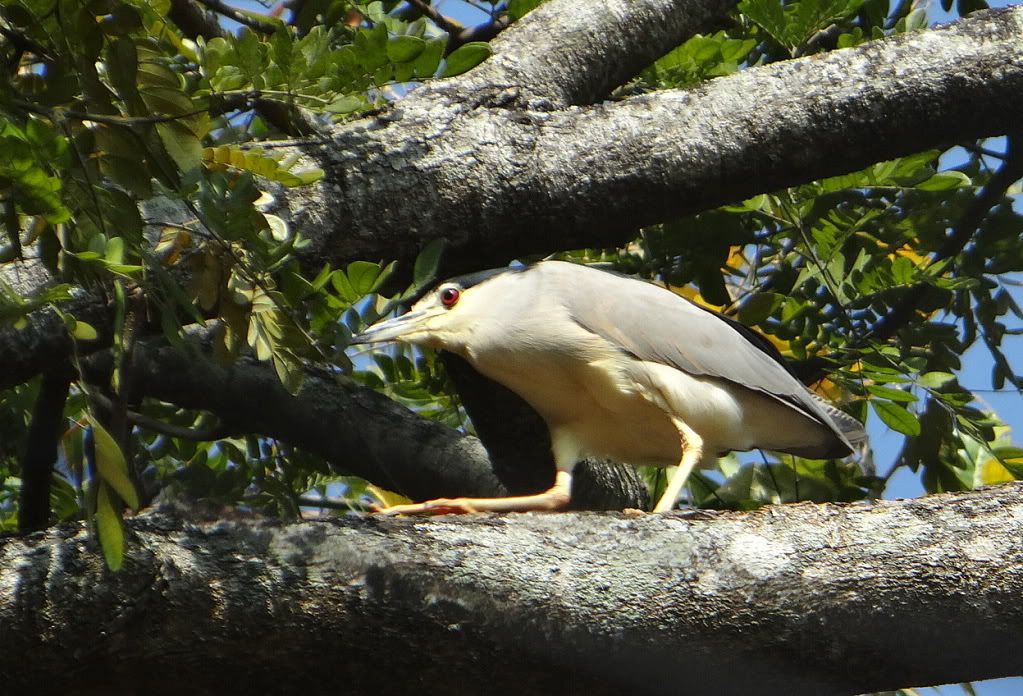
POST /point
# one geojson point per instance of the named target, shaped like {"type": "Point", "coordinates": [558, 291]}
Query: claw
{"type": "Point", "coordinates": [440, 506]}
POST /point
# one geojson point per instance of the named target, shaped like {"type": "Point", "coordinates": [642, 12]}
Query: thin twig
{"type": "Point", "coordinates": [1010, 171]}
{"type": "Point", "coordinates": [23, 43]}
{"type": "Point", "coordinates": [127, 122]}
{"type": "Point", "coordinates": [216, 432]}
{"type": "Point", "coordinates": [449, 25]}
{"type": "Point", "coordinates": [242, 18]}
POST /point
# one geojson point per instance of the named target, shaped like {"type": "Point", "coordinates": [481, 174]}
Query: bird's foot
{"type": "Point", "coordinates": [440, 506]}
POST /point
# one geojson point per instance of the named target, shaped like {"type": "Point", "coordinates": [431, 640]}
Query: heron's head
{"type": "Point", "coordinates": [447, 316]}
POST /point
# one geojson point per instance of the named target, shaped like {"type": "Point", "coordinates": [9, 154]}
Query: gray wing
{"type": "Point", "coordinates": [655, 324]}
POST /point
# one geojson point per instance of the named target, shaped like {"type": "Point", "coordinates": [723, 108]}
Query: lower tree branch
{"type": "Point", "coordinates": [794, 599]}
{"type": "Point", "coordinates": [357, 430]}
{"type": "Point", "coordinates": [362, 432]}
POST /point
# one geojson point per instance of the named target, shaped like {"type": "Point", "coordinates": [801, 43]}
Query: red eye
{"type": "Point", "coordinates": [449, 296]}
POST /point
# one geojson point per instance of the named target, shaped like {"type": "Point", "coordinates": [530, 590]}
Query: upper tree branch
{"type": "Point", "coordinates": [499, 181]}
{"type": "Point", "coordinates": [193, 21]}
{"type": "Point", "coordinates": [254, 23]}
{"type": "Point", "coordinates": [502, 182]}
{"type": "Point", "coordinates": [793, 600]}
{"type": "Point", "coordinates": [577, 51]}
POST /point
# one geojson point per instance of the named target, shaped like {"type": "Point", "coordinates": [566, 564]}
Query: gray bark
{"type": "Point", "coordinates": [499, 177]}
{"type": "Point", "coordinates": [498, 163]}
{"type": "Point", "coordinates": [796, 599]}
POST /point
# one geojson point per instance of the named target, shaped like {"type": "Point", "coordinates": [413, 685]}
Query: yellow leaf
{"type": "Point", "coordinates": [736, 257]}
{"type": "Point", "coordinates": [386, 498]}
{"type": "Point", "coordinates": [782, 345]}
{"type": "Point", "coordinates": [691, 293]}
{"type": "Point", "coordinates": [992, 471]}
{"type": "Point", "coordinates": [111, 531]}
{"type": "Point", "coordinates": [911, 253]}
{"type": "Point", "coordinates": [111, 465]}
{"type": "Point", "coordinates": [84, 332]}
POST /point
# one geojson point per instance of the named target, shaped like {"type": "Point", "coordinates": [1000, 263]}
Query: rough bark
{"type": "Point", "coordinates": [496, 163]}
{"type": "Point", "coordinates": [575, 52]}
{"type": "Point", "coordinates": [797, 599]}
{"type": "Point", "coordinates": [499, 177]}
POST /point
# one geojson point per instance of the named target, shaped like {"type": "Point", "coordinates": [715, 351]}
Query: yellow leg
{"type": "Point", "coordinates": [692, 452]}
{"type": "Point", "coordinates": [554, 498]}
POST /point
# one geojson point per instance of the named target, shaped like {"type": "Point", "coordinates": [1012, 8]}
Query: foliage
{"type": "Point", "coordinates": [116, 108]}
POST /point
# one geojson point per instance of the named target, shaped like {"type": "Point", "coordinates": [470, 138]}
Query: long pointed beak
{"type": "Point", "coordinates": [392, 329]}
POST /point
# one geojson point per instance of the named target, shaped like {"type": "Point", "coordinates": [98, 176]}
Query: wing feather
{"type": "Point", "coordinates": [653, 323]}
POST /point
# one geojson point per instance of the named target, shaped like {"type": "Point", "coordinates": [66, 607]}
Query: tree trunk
{"type": "Point", "coordinates": [796, 599]}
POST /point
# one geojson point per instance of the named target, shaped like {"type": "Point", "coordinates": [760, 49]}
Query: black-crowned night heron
{"type": "Point", "coordinates": [619, 368]}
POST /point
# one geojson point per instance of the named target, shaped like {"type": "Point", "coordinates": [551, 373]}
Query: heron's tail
{"type": "Point", "coordinates": [854, 433]}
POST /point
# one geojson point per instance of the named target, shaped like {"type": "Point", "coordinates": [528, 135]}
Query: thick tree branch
{"type": "Point", "coordinates": [362, 432]}
{"type": "Point", "coordinates": [498, 181]}
{"type": "Point", "coordinates": [352, 427]}
{"type": "Point", "coordinates": [577, 51]}
{"type": "Point", "coordinates": [796, 599]}
{"type": "Point", "coordinates": [44, 342]}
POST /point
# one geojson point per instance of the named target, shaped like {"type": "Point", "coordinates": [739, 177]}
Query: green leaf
{"type": "Point", "coordinates": [891, 394]}
{"type": "Point", "coordinates": [361, 275]}
{"type": "Point", "coordinates": [429, 60]}
{"type": "Point", "coordinates": [167, 101]}
{"type": "Point", "coordinates": [114, 252]}
{"type": "Point", "coordinates": [402, 49]}
{"type": "Point", "coordinates": [759, 307]}
{"type": "Point", "coordinates": [427, 263]}
{"type": "Point", "coordinates": [343, 286]}
{"type": "Point", "coordinates": [110, 528]}
{"type": "Point", "coordinates": [370, 47]}
{"type": "Point", "coordinates": [111, 465]}
{"type": "Point", "coordinates": [517, 9]}
{"type": "Point", "coordinates": [930, 380]}
{"type": "Point", "coordinates": [945, 181]}
{"type": "Point", "coordinates": [345, 105]}
{"type": "Point", "coordinates": [122, 67]}
{"type": "Point", "coordinates": [1011, 458]}
{"type": "Point", "coordinates": [896, 417]}
{"type": "Point", "coordinates": [770, 15]}
{"type": "Point", "coordinates": [181, 144]}
{"type": "Point", "coordinates": [466, 57]}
